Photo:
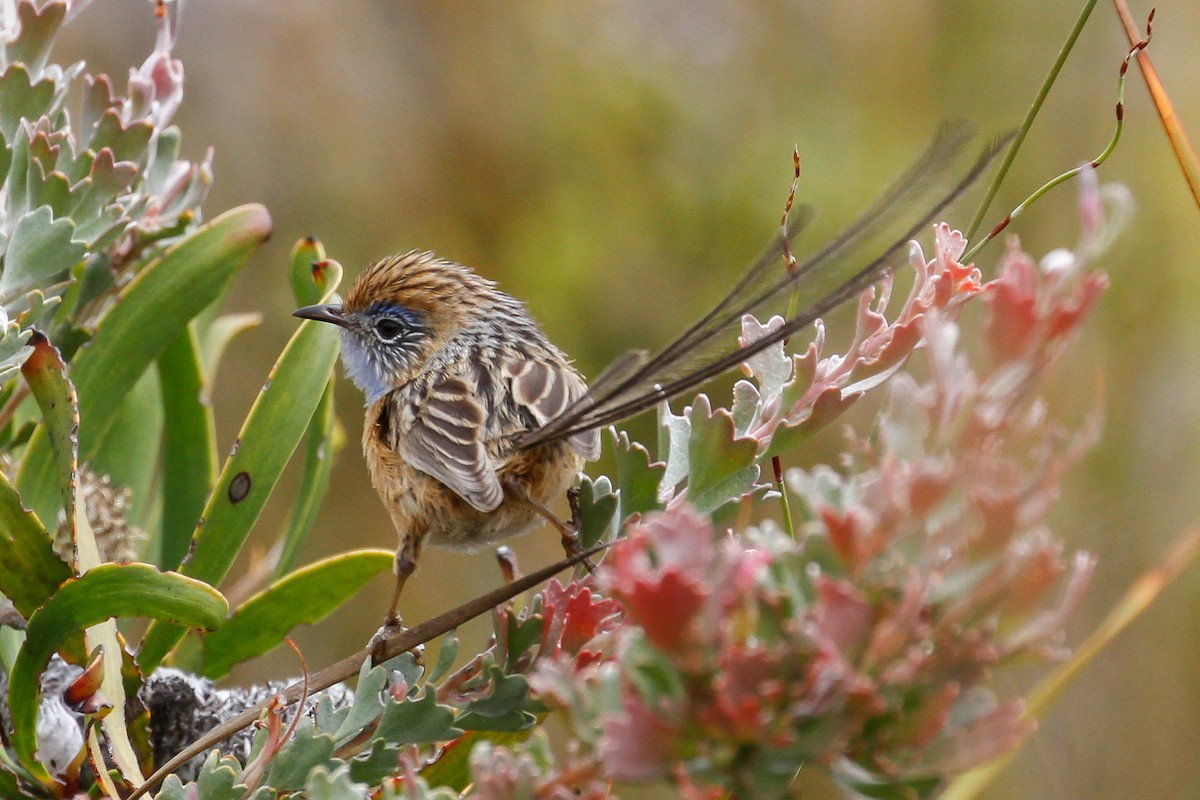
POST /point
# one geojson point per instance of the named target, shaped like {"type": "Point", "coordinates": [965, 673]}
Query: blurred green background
{"type": "Point", "coordinates": [615, 164]}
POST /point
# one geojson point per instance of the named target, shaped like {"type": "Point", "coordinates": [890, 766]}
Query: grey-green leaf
{"type": "Point", "coordinates": [722, 463]}
{"type": "Point", "coordinates": [40, 251]}
{"type": "Point", "coordinates": [638, 477]}
{"type": "Point", "coordinates": [292, 765]}
{"type": "Point", "coordinates": [149, 313]}
{"type": "Point", "coordinates": [419, 721]}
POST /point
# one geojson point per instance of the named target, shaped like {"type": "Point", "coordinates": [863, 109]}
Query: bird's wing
{"type": "Point", "coordinates": [443, 437]}
{"type": "Point", "coordinates": [543, 390]}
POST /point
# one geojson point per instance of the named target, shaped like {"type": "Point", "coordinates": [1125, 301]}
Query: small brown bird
{"type": "Point", "coordinates": [476, 423]}
{"type": "Point", "coordinates": [454, 371]}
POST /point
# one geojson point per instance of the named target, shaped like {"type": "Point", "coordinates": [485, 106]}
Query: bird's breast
{"type": "Point", "coordinates": [422, 506]}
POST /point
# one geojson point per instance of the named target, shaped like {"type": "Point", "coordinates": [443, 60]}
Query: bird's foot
{"type": "Point", "coordinates": [378, 646]}
{"type": "Point", "coordinates": [575, 523]}
{"type": "Point", "coordinates": [572, 547]}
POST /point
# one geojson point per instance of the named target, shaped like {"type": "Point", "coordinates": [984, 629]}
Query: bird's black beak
{"type": "Point", "coordinates": [329, 312]}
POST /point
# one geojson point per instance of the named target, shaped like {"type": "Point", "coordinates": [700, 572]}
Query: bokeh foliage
{"type": "Point", "coordinates": [599, 143]}
{"type": "Point", "coordinates": [109, 286]}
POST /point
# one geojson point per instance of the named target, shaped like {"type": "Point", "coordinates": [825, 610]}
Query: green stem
{"type": "Point", "coordinates": [1030, 115]}
{"type": "Point", "coordinates": [784, 503]}
{"type": "Point", "coordinates": [1071, 173]}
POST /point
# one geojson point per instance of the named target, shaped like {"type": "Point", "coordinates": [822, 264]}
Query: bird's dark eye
{"type": "Point", "coordinates": [389, 329]}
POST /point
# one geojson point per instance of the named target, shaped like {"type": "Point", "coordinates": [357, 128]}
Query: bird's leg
{"type": "Point", "coordinates": [403, 567]}
{"type": "Point", "coordinates": [568, 531]}
{"type": "Point", "coordinates": [576, 521]}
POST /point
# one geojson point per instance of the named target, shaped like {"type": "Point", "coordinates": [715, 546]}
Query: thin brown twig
{"type": "Point", "coordinates": [349, 666]}
{"type": "Point", "coordinates": [1185, 153]}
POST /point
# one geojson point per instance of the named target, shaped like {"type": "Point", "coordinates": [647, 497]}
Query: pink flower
{"type": "Point", "coordinates": [658, 572]}
{"type": "Point", "coordinates": [637, 744]}
{"type": "Point", "coordinates": [573, 615]}
{"type": "Point", "coordinates": [821, 388]}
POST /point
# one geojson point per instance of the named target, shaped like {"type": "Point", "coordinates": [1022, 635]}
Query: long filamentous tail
{"type": "Point", "coordinates": [841, 269]}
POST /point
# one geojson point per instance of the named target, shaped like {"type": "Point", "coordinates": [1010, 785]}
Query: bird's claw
{"type": "Point", "coordinates": [377, 647]}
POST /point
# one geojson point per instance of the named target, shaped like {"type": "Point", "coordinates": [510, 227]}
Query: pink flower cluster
{"type": "Point", "coordinates": [866, 645]}
{"type": "Point", "coordinates": [805, 392]}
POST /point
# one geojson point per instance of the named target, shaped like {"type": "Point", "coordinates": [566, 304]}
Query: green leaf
{"type": "Point", "coordinates": [128, 142]}
{"type": "Point", "coordinates": [5, 160]}
{"type": "Point", "coordinates": [523, 634]}
{"type": "Point", "coordinates": [410, 668]}
{"type": "Point", "coordinates": [313, 277]}
{"type": "Point", "coordinates": [321, 441]}
{"type": "Point", "coordinates": [746, 407]}
{"type": "Point", "coordinates": [29, 570]}
{"type": "Point", "coordinates": [337, 785]}
{"type": "Point", "coordinates": [150, 311]}
{"type": "Point", "coordinates": [172, 789]}
{"type": "Point", "coordinates": [166, 153]}
{"type": "Point", "coordinates": [218, 778]}
{"type": "Point", "coordinates": [503, 708]}
{"type": "Point", "coordinates": [189, 465]}
{"type": "Point", "coordinates": [376, 765]}
{"type": "Point", "coordinates": [45, 373]}
{"type": "Point", "coordinates": [307, 750]}
{"type": "Point", "coordinates": [50, 191]}
{"type": "Point", "coordinates": [771, 368]}
{"type": "Point", "coordinates": [674, 431]}
{"type": "Point", "coordinates": [20, 98]}
{"type": "Point", "coordinates": [828, 406]}
{"type": "Point", "coordinates": [9, 786]}
{"type": "Point", "coordinates": [269, 436]}
{"type": "Point", "coordinates": [368, 703]}
{"type": "Point", "coordinates": [508, 692]}
{"type": "Point", "coordinates": [305, 596]}
{"type": "Point", "coordinates": [638, 477]}
{"type": "Point", "coordinates": [38, 29]}
{"type": "Point", "coordinates": [93, 201]}
{"type": "Point", "coordinates": [105, 592]}
{"type": "Point", "coordinates": [40, 251]}
{"type": "Point", "coordinates": [447, 652]}
{"type": "Point", "coordinates": [510, 721]}
{"type": "Point", "coordinates": [103, 637]}
{"type": "Point", "coordinates": [129, 450]}
{"type": "Point", "coordinates": [216, 338]}
{"type": "Point", "coordinates": [652, 673]}
{"type": "Point", "coordinates": [420, 721]}
{"type": "Point", "coordinates": [597, 505]}
{"type": "Point", "coordinates": [14, 347]}
{"type": "Point", "coordinates": [328, 718]}
{"type": "Point", "coordinates": [722, 464]}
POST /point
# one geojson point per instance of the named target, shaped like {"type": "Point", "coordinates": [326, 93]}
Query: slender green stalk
{"type": "Point", "coordinates": [1071, 173]}
{"type": "Point", "coordinates": [793, 303]}
{"type": "Point", "coordinates": [1030, 115]}
{"type": "Point", "coordinates": [784, 504]}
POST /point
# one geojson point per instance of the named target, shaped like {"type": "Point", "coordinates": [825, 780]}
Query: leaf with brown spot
{"type": "Point", "coordinates": [270, 434]}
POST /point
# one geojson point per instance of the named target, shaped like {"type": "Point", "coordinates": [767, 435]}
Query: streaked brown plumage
{"type": "Point", "coordinates": [476, 422]}
{"type": "Point", "coordinates": [454, 371]}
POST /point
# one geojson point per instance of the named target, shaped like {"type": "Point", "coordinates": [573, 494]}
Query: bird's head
{"type": "Point", "coordinates": [397, 313]}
